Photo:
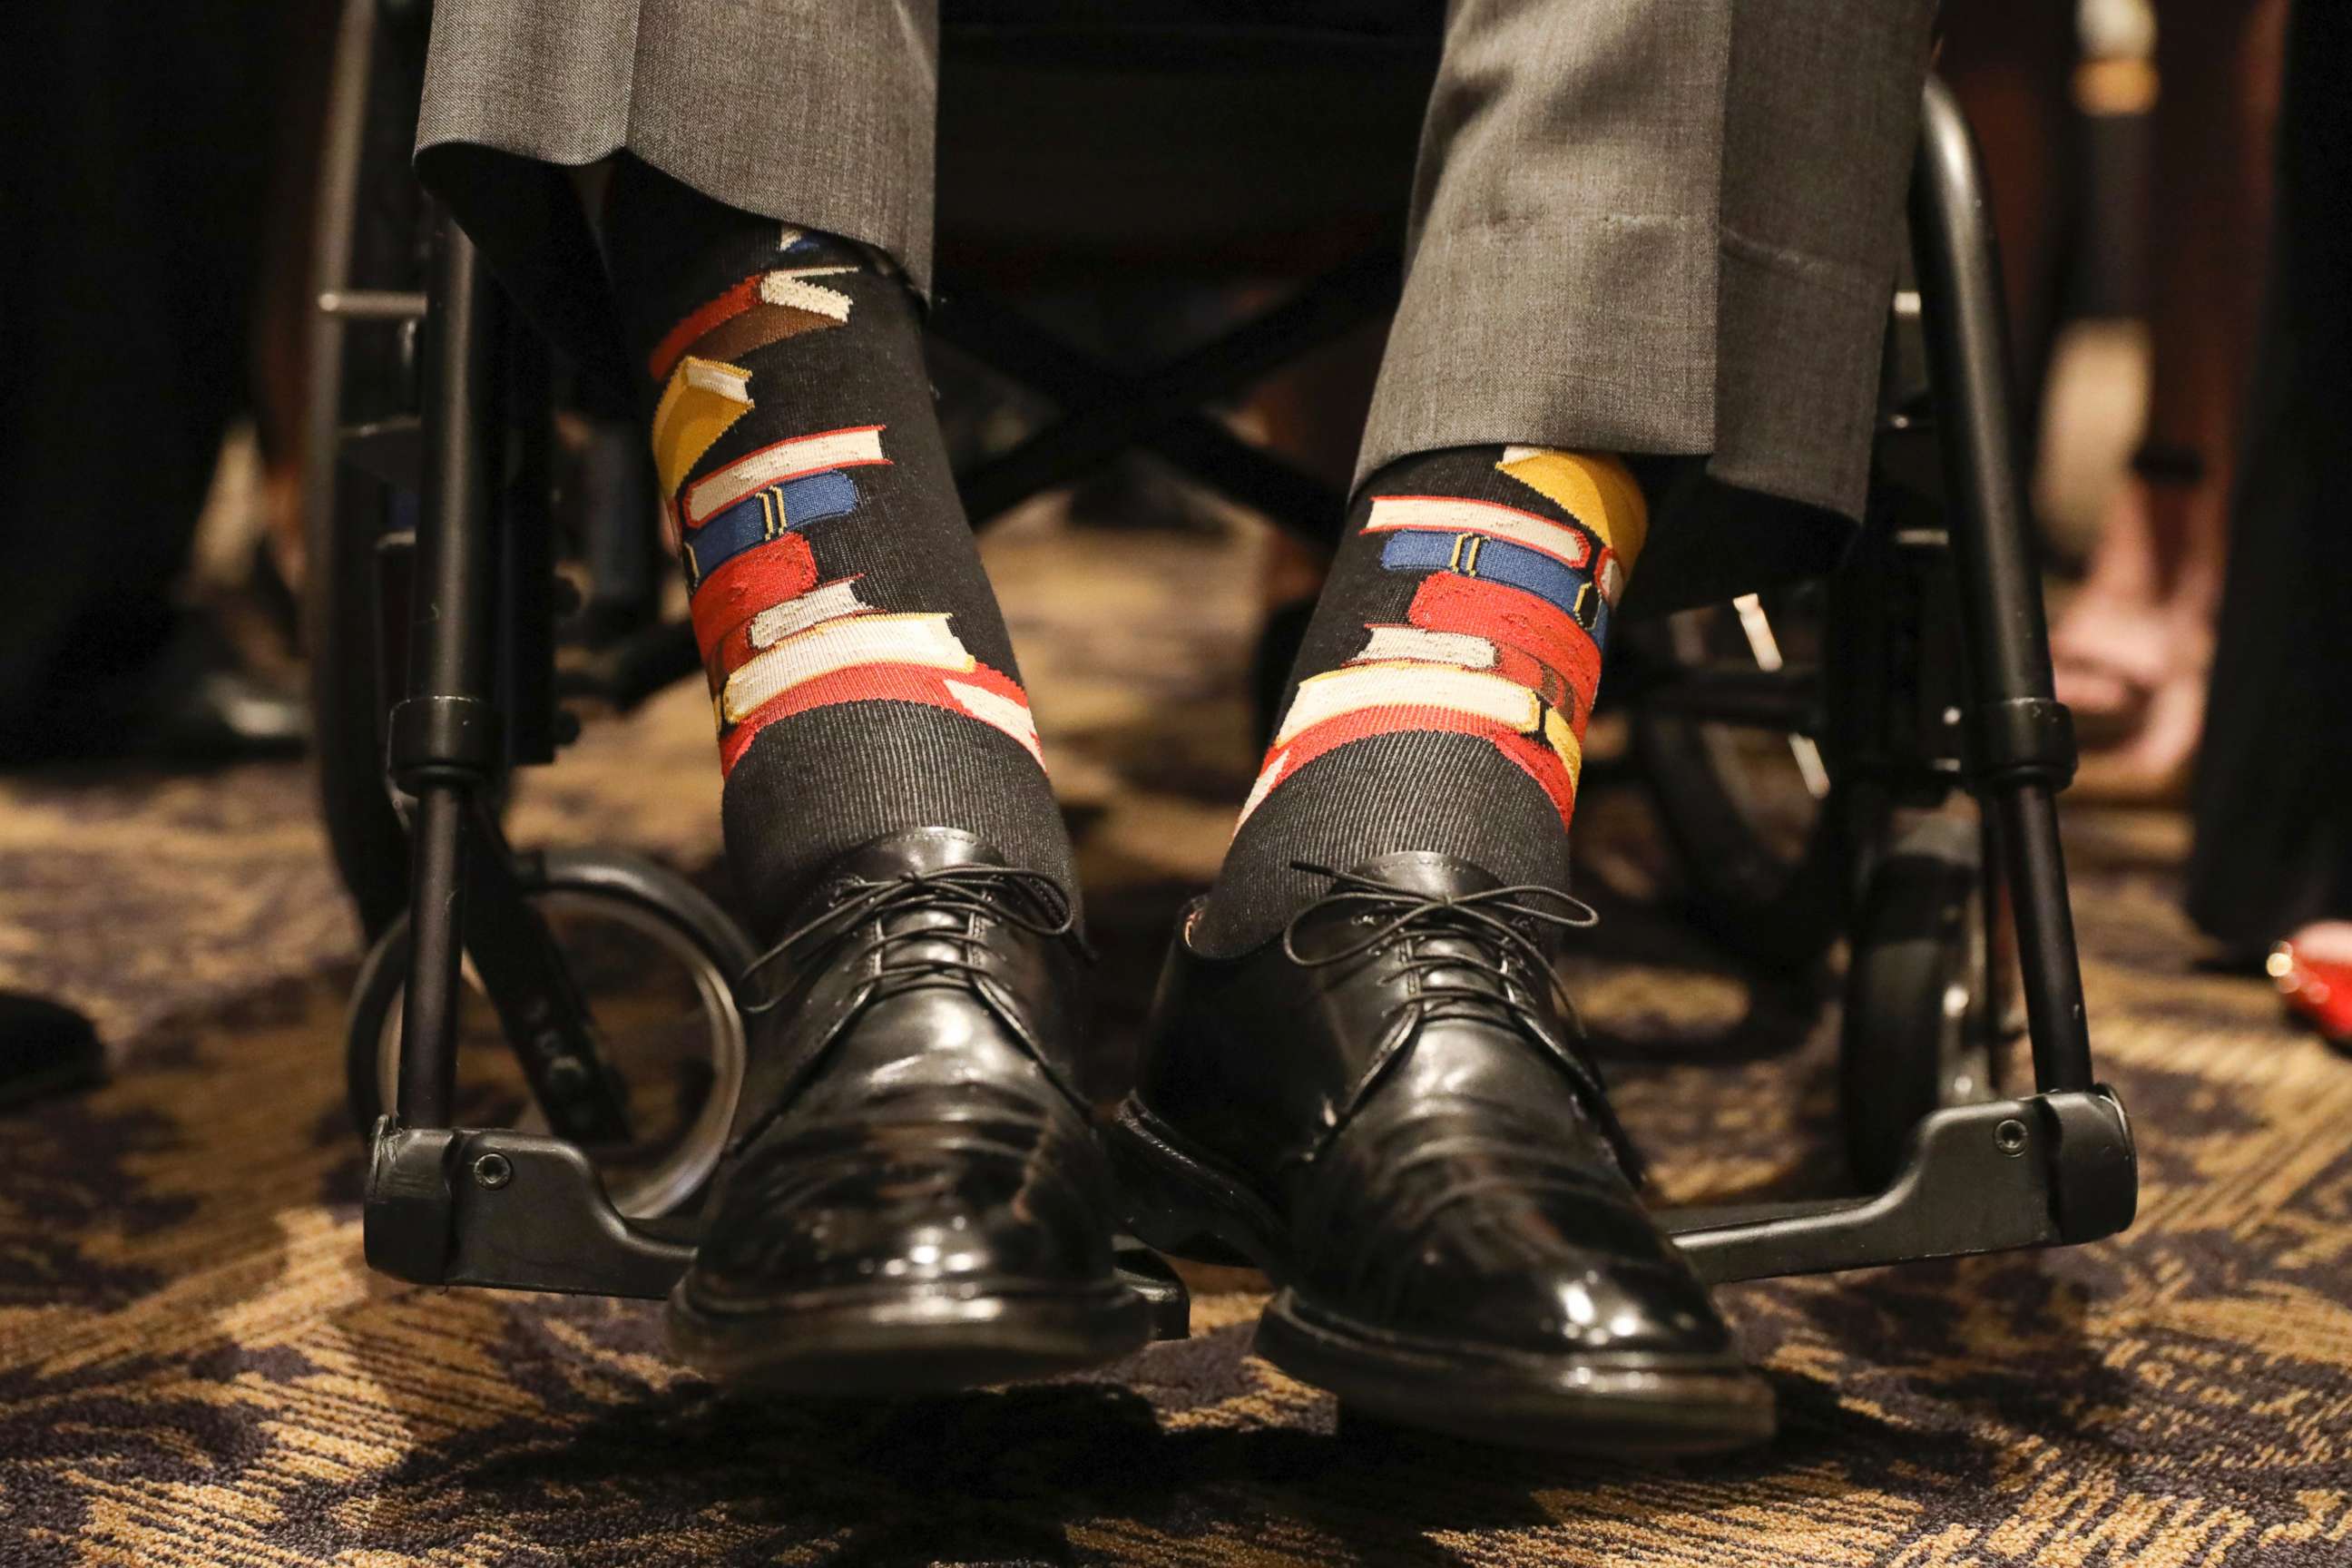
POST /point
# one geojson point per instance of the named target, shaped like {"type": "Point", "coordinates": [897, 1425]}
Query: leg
{"type": "Point", "coordinates": [127, 334]}
{"type": "Point", "coordinates": [2010, 63]}
{"type": "Point", "coordinates": [862, 677]}
{"type": "Point", "coordinates": [888, 817]}
{"type": "Point", "coordinates": [2274, 847]}
{"type": "Point", "coordinates": [1654, 231]}
{"type": "Point", "coordinates": [2135, 646]}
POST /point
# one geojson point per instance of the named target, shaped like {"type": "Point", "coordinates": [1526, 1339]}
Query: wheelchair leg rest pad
{"type": "Point", "coordinates": [507, 1211]}
{"type": "Point", "coordinates": [510, 1211]}
{"type": "Point", "coordinates": [2046, 1170]}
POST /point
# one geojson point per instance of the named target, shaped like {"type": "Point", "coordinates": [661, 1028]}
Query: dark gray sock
{"type": "Point", "coordinates": [1440, 699]}
{"type": "Point", "coordinates": [859, 664]}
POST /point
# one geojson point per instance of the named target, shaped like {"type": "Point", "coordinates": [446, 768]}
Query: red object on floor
{"type": "Point", "coordinates": [2316, 991]}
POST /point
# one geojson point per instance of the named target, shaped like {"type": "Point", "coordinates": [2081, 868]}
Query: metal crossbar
{"type": "Point", "coordinates": [1109, 410]}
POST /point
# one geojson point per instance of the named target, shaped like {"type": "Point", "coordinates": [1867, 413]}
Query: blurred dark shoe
{"type": "Point", "coordinates": [192, 704]}
{"type": "Point", "coordinates": [44, 1050]}
{"type": "Point", "coordinates": [1389, 1112]}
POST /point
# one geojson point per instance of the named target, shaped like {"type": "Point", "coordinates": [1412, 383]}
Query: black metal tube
{"type": "Point", "coordinates": [1967, 321]}
{"type": "Point", "coordinates": [428, 1018]}
{"type": "Point", "coordinates": [2048, 966]}
{"type": "Point", "coordinates": [452, 650]}
{"type": "Point", "coordinates": [1323, 310]}
{"type": "Point", "coordinates": [525, 626]}
{"type": "Point", "coordinates": [2000, 597]}
{"type": "Point", "coordinates": [1006, 342]}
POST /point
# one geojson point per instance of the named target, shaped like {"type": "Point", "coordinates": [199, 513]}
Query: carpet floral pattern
{"type": "Point", "coordinates": [196, 1368]}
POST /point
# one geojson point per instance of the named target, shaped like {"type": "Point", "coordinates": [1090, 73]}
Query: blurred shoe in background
{"type": "Point", "coordinates": [190, 700]}
{"type": "Point", "coordinates": [44, 1050]}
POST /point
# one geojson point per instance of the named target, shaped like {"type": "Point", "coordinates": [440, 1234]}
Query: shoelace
{"type": "Point", "coordinates": [1483, 921]}
{"type": "Point", "coordinates": [1031, 900]}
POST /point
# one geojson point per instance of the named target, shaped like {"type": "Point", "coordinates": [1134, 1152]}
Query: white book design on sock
{"type": "Point", "coordinates": [1393, 645]}
{"type": "Point", "coordinates": [790, 286]}
{"type": "Point", "coordinates": [1353, 687]}
{"type": "Point", "coordinates": [1267, 777]}
{"type": "Point", "coordinates": [771, 465]}
{"type": "Point", "coordinates": [1444, 515]}
{"type": "Point", "coordinates": [835, 646]}
{"type": "Point", "coordinates": [729, 381]}
{"type": "Point", "coordinates": [1612, 580]}
{"type": "Point", "coordinates": [994, 707]}
{"type": "Point", "coordinates": [826, 630]}
{"type": "Point", "coordinates": [826, 602]}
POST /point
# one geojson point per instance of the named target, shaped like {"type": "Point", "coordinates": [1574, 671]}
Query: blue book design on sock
{"type": "Point", "coordinates": [1499, 561]}
{"type": "Point", "coordinates": [758, 520]}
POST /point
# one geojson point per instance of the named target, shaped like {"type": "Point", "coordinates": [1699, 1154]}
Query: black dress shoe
{"type": "Point", "coordinates": [1389, 1113]}
{"type": "Point", "coordinates": [192, 703]}
{"type": "Point", "coordinates": [45, 1048]}
{"type": "Point", "coordinates": [914, 1200]}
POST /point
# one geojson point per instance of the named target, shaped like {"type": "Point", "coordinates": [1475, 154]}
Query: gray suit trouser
{"type": "Point", "coordinates": [1662, 227]}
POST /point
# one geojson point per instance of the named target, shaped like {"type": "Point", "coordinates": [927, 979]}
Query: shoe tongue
{"type": "Point", "coordinates": [1413, 872]}
{"type": "Point", "coordinates": [1426, 871]}
{"type": "Point", "coordinates": [912, 852]}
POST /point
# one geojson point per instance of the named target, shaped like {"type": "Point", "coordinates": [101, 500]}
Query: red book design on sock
{"type": "Point", "coordinates": [761, 308]}
{"type": "Point", "coordinates": [1542, 646]}
{"type": "Point", "coordinates": [776, 641]}
{"type": "Point", "coordinates": [772, 654]}
{"type": "Point", "coordinates": [710, 313]}
{"type": "Point", "coordinates": [1474, 657]}
{"type": "Point", "coordinates": [1538, 760]}
{"type": "Point", "coordinates": [729, 598]}
{"type": "Point", "coordinates": [978, 692]}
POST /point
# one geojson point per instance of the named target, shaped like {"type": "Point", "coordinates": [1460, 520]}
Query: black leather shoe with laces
{"type": "Point", "coordinates": [914, 1200]}
{"type": "Point", "coordinates": [1389, 1110]}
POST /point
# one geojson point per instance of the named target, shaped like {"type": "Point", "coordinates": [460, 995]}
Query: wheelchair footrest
{"type": "Point", "coordinates": [2046, 1170]}
{"type": "Point", "coordinates": [510, 1211]}
{"type": "Point", "coordinates": [507, 1210]}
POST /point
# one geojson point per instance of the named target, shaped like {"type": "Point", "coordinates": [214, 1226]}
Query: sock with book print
{"type": "Point", "coordinates": [859, 668]}
{"type": "Point", "coordinates": [1440, 700]}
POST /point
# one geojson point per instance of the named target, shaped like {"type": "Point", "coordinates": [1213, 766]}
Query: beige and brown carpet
{"type": "Point", "coordinates": [195, 1368]}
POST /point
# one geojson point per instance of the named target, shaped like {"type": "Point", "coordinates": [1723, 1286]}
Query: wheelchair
{"type": "Point", "coordinates": [447, 635]}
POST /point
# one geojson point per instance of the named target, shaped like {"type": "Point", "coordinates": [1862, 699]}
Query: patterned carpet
{"type": "Point", "coordinates": [196, 1369]}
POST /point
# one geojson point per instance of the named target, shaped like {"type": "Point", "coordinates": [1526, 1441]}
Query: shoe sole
{"type": "Point", "coordinates": [908, 1341]}
{"type": "Point", "coordinates": [1186, 1203]}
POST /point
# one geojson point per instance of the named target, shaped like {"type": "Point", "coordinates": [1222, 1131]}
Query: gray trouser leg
{"type": "Point", "coordinates": [1647, 225]}
{"type": "Point", "coordinates": [1658, 227]}
{"type": "Point", "coordinates": [814, 111]}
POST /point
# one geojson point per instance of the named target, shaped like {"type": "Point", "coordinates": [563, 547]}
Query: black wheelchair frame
{"type": "Point", "coordinates": [468, 598]}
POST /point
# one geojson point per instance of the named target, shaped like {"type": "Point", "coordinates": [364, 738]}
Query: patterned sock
{"type": "Point", "coordinates": [1440, 700]}
{"type": "Point", "coordinates": [858, 665]}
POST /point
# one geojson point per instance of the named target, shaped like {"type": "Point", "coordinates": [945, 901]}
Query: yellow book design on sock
{"type": "Point", "coordinates": [701, 403]}
{"type": "Point", "coordinates": [1561, 736]}
{"type": "Point", "coordinates": [1593, 488]}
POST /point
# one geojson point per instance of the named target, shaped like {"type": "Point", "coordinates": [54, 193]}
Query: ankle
{"type": "Point", "coordinates": [1441, 695]}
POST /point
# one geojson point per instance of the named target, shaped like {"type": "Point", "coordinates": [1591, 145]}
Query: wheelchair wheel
{"type": "Point", "coordinates": [1922, 1018]}
{"type": "Point", "coordinates": [655, 960]}
{"type": "Point", "coordinates": [1753, 813]}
